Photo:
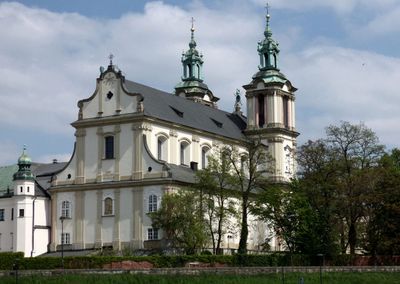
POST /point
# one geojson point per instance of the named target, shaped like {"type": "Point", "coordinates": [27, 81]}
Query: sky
{"type": "Point", "coordinates": [342, 55]}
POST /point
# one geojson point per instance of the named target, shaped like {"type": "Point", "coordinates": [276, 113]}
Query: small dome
{"type": "Point", "coordinates": [24, 158]}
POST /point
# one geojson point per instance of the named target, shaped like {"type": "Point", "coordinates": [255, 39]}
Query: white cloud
{"type": "Point", "coordinates": [346, 84]}
{"type": "Point", "coordinates": [340, 6]}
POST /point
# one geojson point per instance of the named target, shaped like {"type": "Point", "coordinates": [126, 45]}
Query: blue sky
{"type": "Point", "coordinates": [342, 55]}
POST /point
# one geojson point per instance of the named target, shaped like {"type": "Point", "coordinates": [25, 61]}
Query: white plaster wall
{"type": "Point", "coordinates": [90, 216]}
{"type": "Point", "coordinates": [42, 239]}
{"type": "Point", "coordinates": [6, 226]}
{"type": "Point", "coordinates": [126, 149]}
{"type": "Point", "coordinates": [126, 214]}
{"type": "Point", "coordinates": [91, 152]}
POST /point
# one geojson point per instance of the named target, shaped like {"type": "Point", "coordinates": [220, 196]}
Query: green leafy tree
{"type": "Point", "coordinates": [383, 203]}
{"type": "Point", "coordinates": [215, 185]}
{"type": "Point", "coordinates": [357, 150]}
{"type": "Point", "coordinates": [250, 171]}
{"type": "Point", "coordinates": [180, 218]}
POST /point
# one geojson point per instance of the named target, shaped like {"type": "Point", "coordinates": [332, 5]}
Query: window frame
{"type": "Point", "coordinates": [108, 206]}
{"type": "Point", "coordinates": [109, 147]}
{"type": "Point", "coordinates": [152, 234]}
{"type": "Point", "coordinates": [2, 214]}
{"type": "Point", "coordinates": [22, 210]}
{"type": "Point", "coordinates": [204, 156]}
{"type": "Point", "coordinates": [184, 153]}
{"type": "Point", "coordinates": [162, 148]}
{"type": "Point", "coordinates": [66, 209]}
{"type": "Point", "coordinates": [65, 238]}
{"type": "Point", "coordinates": [152, 203]}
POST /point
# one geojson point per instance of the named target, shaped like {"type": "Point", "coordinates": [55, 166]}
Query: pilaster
{"type": "Point", "coordinates": [54, 218]}
{"type": "Point", "coordinates": [173, 146]}
{"type": "Point", "coordinates": [117, 214]}
{"type": "Point", "coordinates": [100, 147]}
{"type": "Point", "coordinates": [99, 213]}
{"type": "Point", "coordinates": [80, 156]}
{"type": "Point", "coordinates": [117, 146]}
{"type": "Point", "coordinates": [78, 222]}
{"type": "Point", "coordinates": [137, 220]}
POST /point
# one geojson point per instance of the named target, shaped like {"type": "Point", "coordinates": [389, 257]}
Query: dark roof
{"type": "Point", "coordinates": [172, 108]}
{"type": "Point", "coordinates": [181, 173]}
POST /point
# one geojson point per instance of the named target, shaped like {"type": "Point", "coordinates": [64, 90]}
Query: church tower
{"type": "Point", "coordinates": [24, 191]}
{"type": "Point", "coordinates": [192, 86]}
{"type": "Point", "coordinates": [271, 108]}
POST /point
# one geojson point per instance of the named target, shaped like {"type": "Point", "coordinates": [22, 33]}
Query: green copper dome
{"type": "Point", "coordinates": [24, 167]}
{"type": "Point", "coordinates": [268, 51]}
{"type": "Point", "coordinates": [192, 86]}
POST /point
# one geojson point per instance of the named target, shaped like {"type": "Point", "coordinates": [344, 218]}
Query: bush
{"type": "Point", "coordinates": [8, 259]}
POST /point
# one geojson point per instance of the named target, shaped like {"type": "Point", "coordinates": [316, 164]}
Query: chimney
{"type": "Point", "coordinates": [193, 166]}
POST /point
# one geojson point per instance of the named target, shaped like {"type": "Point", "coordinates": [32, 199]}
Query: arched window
{"type": "Point", "coordinates": [162, 148]}
{"type": "Point", "coordinates": [108, 206]}
{"type": "Point", "coordinates": [184, 153]}
{"type": "Point", "coordinates": [288, 160]}
{"type": "Point", "coordinates": [266, 61]}
{"type": "Point", "coordinates": [66, 209]}
{"type": "Point", "coordinates": [109, 147]}
{"type": "Point", "coordinates": [198, 71]}
{"type": "Point", "coordinates": [152, 203]}
{"type": "Point", "coordinates": [286, 111]}
{"type": "Point", "coordinates": [204, 157]}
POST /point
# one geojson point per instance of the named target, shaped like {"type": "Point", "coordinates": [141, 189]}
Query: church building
{"type": "Point", "coordinates": [135, 143]}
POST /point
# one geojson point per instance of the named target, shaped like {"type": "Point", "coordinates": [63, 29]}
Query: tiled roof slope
{"type": "Point", "coordinates": [171, 108]}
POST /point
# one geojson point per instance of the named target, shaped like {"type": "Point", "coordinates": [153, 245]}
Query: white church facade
{"type": "Point", "coordinates": [135, 143]}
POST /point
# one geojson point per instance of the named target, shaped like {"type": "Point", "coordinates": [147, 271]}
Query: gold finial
{"type": "Point", "coordinates": [267, 7]}
{"type": "Point", "coordinates": [111, 56]}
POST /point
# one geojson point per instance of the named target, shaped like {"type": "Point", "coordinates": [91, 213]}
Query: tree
{"type": "Point", "coordinates": [357, 150]}
{"type": "Point", "coordinates": [250, 172]}
{"type": "Point", "coordinates": [383, 203]}
{"type": "Point", "coordinates": [215, 185]}
{"type": "Point", "coordinates": [181, 220]}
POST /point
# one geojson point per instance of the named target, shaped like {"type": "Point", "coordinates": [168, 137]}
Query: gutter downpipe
{"type": "Point", "coordinates": [33, 225]}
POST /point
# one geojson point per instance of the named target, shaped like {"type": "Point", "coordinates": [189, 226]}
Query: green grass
{"type": "Point", "coordinates": [290, 278]}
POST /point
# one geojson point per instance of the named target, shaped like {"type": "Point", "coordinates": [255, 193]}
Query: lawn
{"type": "Point", "coordinates": [290, 278]}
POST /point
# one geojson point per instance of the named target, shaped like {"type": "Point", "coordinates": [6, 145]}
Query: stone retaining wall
{"type": "Point", "coordinates": [207, 270]}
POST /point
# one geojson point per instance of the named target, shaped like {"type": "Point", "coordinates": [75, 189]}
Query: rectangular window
{"type": "Point", "coordinates": [65, 239]}
{"type": "Point", "coordinates": [66, 209]}
{"type": "Point", "coordinates": [286, 111]}
{"type": "Point", "coordinates": [21, 212]}
{"type": "Point", "coordinates": [12, 241]}
{"type": "Point", "coordinates": [0, 241]}
{"type": "Point", "coordinates": [152, 203]}
{"type": "Point", "coordinates": [109, 147]}
{"type": "Point", "coordinates": [1, 214]}
{"type": "Point", "coordinates": [152, 234]}
{"type": "Point", "coordinates": [12, 213]}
